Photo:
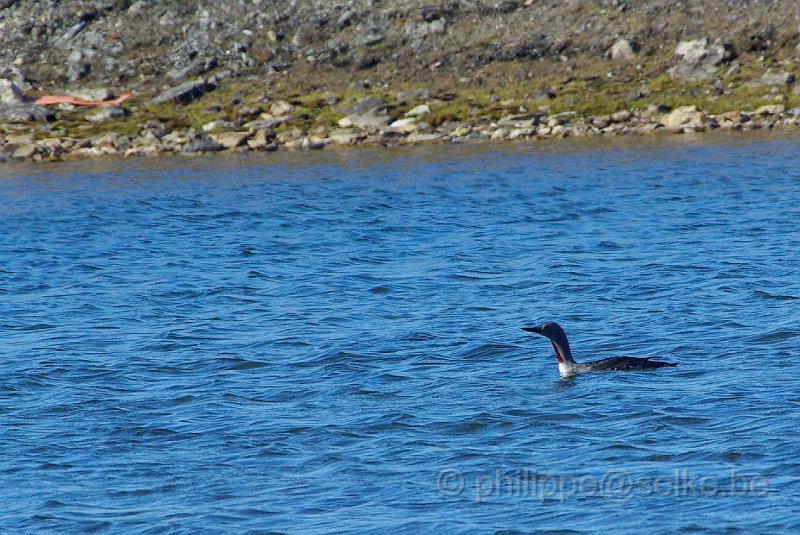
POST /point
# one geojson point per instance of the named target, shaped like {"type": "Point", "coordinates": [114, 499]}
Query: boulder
{"type": "Point", "coordinates": [370, 37]}
{"type": "Point", "coordinates": [770, 109]}
{"type": "Point", "coordinates": [23, 113]}
{"type": "Point", "coordinates": [685, 116]}
{"type": "Point", "coordinates": [732, 117]}
{"type": "Point", "coordinates": [280, 108]}
{"type": "Point", "coordinates": [343, 137]}
{"type": "Point", "coordinates": [107, 113]}
{"type": "Point", "coordinates": [202, 143]}
{"type": "Point", "coordinates": [420, 137]}
{"type": "Point", "coordinates": [421, 94]}
{"type": "Point", "coordinates": [10, 93]}
{"type": "Point", "coordinates": [112, 139]}
{"type": "Point", "coordinates": [772, 79]}
{"type": "Point", "coordinates": [622, 50]}
{"type": "Point", "coordinates": [409, 124]}
{"type": "Point", "coordinates": [218, 124]}
{"type": "Point", "coordinates": [622, 116]}
{"type": "Point", "coordinates": [230, 140]}
{"type": "Point", "coordinates": [79, 63]}
{"type": "Point", "coordinates": [261, 139]}
{"type": "Point", "coordinates": [95, 93]}
{"type": "Point", "coordinates": [27, 151]}
{"type": "Point", "coordinates": [20, 139]}
{"type": "Point", "coordinates": [183, 93]}
{"type": "Point", "coordinates": [698, 60]}
{"type": "Point", "coordinates": [422, 109]}
{"type": "Point", "coordinates": [365, 121]}
{"type": "Point", "coordinates": [363, 105]}
{"type": "Point", "coordinates": [313, 143]}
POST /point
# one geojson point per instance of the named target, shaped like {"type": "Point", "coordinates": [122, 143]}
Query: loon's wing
{"type": "Point", "coordinates": [627, 363]}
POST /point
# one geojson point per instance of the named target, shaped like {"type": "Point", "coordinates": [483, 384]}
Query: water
{"type": "Point", "coordinates": [332, 343]}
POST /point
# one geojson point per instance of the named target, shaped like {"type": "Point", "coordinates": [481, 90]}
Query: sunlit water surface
{"type": "Point", "coordinates": [316, 344]}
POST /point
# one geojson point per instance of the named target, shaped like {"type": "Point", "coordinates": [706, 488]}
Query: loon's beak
{"type": "Point", "coordinates": [536, 329]}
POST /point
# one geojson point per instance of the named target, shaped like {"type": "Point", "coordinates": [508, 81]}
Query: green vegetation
{"type": "Point", "coordinates": [587, 97]}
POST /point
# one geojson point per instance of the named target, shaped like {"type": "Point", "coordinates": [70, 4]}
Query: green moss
{"type": "Point", "coordinates": [588, 96]}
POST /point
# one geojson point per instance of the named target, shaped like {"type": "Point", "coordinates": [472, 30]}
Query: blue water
{"type": "Point", "coordinates": [331, 343]}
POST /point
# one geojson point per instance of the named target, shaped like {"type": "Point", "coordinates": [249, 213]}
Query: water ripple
{"type": "Point", "coordinates": [309, 343]}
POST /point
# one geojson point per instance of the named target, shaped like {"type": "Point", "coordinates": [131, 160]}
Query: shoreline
{"type": "Point", "coordinates": [373, 129]}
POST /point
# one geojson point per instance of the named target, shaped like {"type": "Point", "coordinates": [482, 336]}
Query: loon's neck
{"type": "Point", "coordinates": [566, 364]}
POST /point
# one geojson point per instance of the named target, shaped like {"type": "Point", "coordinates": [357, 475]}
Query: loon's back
{"type": "Point", "coordinates": [625, 364]}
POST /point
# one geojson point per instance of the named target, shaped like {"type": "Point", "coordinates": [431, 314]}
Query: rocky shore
{"type": "Point", "coordinates": [307, 75]}
{"type": "Point", "coordinates": [372, 128]}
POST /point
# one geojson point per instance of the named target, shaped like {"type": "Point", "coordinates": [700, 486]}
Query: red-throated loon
{"type": "Point", "coordinates": [567, 365]}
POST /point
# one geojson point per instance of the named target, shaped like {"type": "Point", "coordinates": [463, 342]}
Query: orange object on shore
{"type": "Point", "coordinates": [58, 99]}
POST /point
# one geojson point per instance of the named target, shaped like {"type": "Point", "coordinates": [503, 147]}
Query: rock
{"type": "Point", "coordinates": [147, 139]}
{"type": "Point", "coordinates": [313, 143]}
{"type": "Point", "coordinates": [421, 94]}
{"type": "Point", "coordinates": [112, 139]}
{"type": "Point", "coordinates": [7, 150]}
{"type": "Point", "coordinates": [698, 60]}
{"type": "Point", "coordinates": [10, 93]}
{"type": "Point", "coordinates": [107, 113]}
{"type": "Point", "coordinates": [772, 79]}
{"type": "Point", "coordinates": [622, 116]}
{"type": "Point", "coordinates": [79, 63]}
{"type": "Point", "coordinates": [685, 116]}
{"type": "Point", "coordinates": [294, 144]}
{"type": "Point", "coordinates": [601, 121]}
{"type": "Point", "coordinates": [97, 93]}
{"type": "Point", "coordinates": [655, 109]}
{"type": "Point", "coordinates": [420, 30]}
{"type": "Point", "coordinates": [344, 137]}
{"type": "Point", "coordinates": [409, 124]}
{"type": "Point", "coordinates": [525, 120]}
{"type": "Point", "coordinates": [422, 109]}
{"type": "Point", "coordinates": [24, 113]}
{"type": "Point", "coordinates": [183, 93]}
{"type": "Point", "coordinates": [218, 124]}
{"type": "Point", "coordinates": [27, 151]}
{"type": "Point", "coordinates": [137, 6]}
{"type": "Point", "coordinates": [521, 133]}
{"type": "Point", "coordinates": [391, 136]}
{"type": "Point", "coordinates": [53, 144]}
{"type": "Point", "coordinates": [770, 109]}
{"type": "Point", "coordinates": [363, 105]}
{"type": "Point", "coordinates": [419, 137]}
{"type": "Point", "coordinates": [20, 139]}
{"type": "Point", "coordinates": [291, 135]}
{"type": "Point", "coordinates": [64, 39]}
{"type": "Point", "coordinates": [365, 121]}
{"type": "Point", "coordinates": [622, 51]}
{"type": "Point", "coordinates": [230, 140]}
{"type": "Point", "coordinates": [542, 93]}
{"type": "Point", "coordinates": [732, 117]}
{"type": "Point", "coordinates": [146, 150]}
{"type": "Point", "coordinates": [195, 68]}
{"type": "Point", "coordinates": [280, 107]}
{"type": "Point", "coordinates": [202, 143]}
{"type": "Point", "coordinates": [370, 37]}
{"type": "Point", "coordinates": [268, 123]}
{"type": "Point", "coordinates": [461, 131]}
{"type": "Point", "coordinates": [261, 139]}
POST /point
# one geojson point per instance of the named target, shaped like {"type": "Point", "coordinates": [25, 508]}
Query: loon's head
{"type": "Point", "coordinates": [553, 332]}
